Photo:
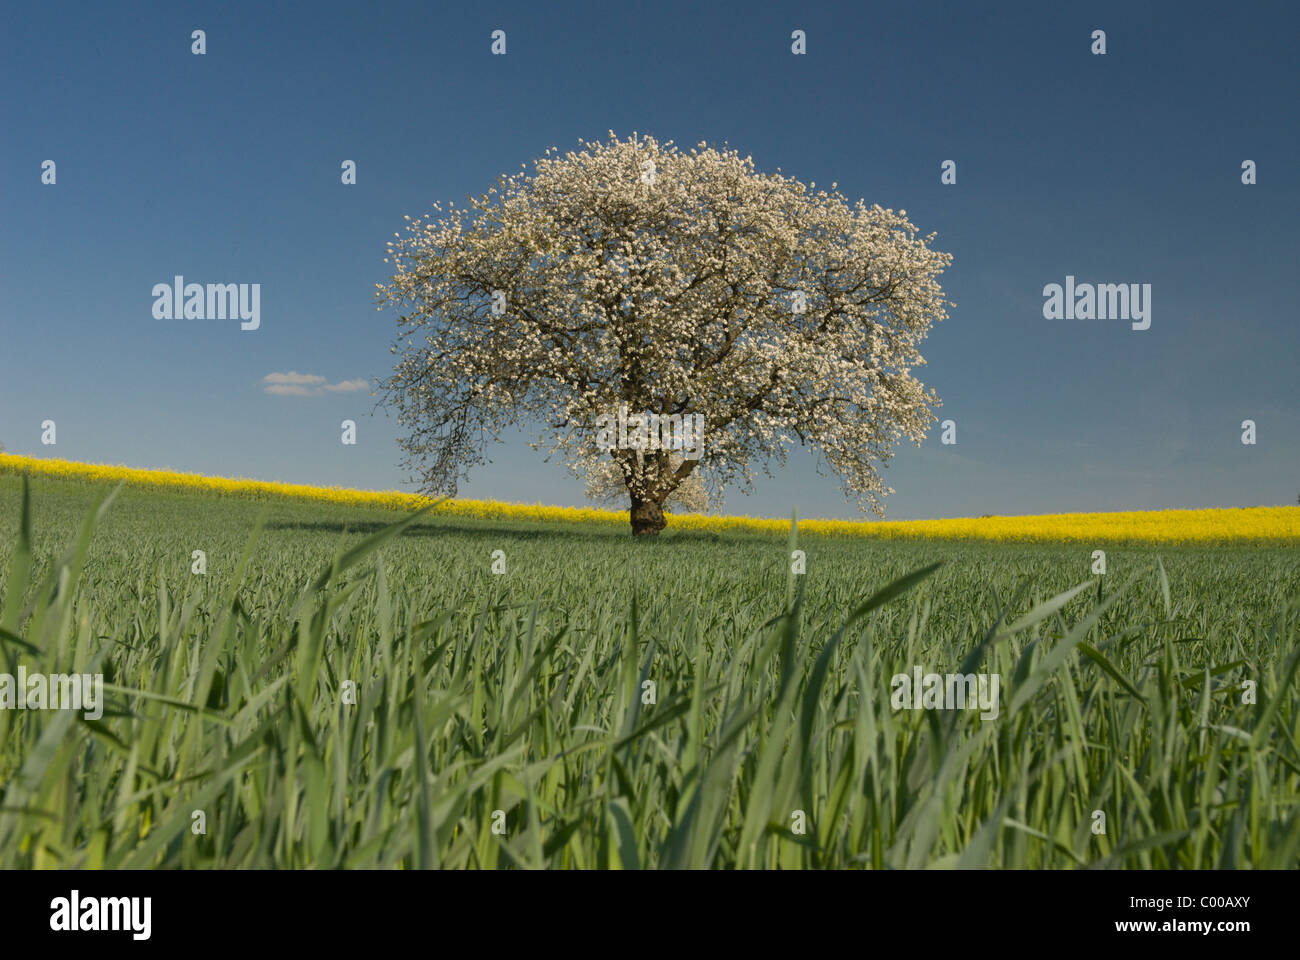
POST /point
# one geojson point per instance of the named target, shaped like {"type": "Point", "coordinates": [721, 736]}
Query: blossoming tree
{"type": "Point", "coordinates": [633, 274]}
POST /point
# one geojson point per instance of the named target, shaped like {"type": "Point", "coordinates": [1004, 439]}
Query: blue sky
{"type": "Point", "coordinates": [1122, 168]}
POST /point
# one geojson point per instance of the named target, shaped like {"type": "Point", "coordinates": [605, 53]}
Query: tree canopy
{"type": "Point", "coordinates": [632, 274]}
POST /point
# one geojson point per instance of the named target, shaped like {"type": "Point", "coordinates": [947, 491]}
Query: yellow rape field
{"type": "Point", "coordinates": [1276, 525]}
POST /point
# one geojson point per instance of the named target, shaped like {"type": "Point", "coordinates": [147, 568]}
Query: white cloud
{"type": "Point", "coordinates": [291, 390]}
{"type": "Point", "coordinates": [348, 386]}
{"type": "Point", "coordinates": [292, 377]}
{"type": "Point", "coordinates": [294, 384]}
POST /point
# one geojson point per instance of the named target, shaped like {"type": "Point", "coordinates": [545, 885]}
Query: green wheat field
{"type": "Point", "coordinates": [357, 688]}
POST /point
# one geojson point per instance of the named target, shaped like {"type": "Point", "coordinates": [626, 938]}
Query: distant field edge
{"type": "Point", "coordinates": [1270, 526]}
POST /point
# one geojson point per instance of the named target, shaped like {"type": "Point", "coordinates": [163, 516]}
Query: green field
{"type": "Point", "coordinates": [498, 720]}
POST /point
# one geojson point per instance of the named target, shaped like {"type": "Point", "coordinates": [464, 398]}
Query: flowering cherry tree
{"type": "Point", "coordinates": [633, 274]}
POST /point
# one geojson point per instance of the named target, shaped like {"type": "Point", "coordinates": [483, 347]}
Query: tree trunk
{"type": "Point", "coordinates": [647, 518]}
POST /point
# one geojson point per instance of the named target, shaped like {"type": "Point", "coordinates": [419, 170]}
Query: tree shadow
{"type": "Point", "coordinates": [463, 531]}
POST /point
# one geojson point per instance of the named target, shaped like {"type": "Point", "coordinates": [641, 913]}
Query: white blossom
{"type": "Point", "coordinates": [672, 297]}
